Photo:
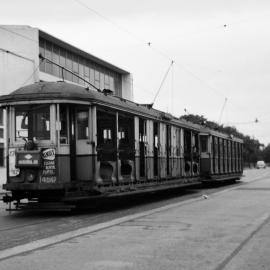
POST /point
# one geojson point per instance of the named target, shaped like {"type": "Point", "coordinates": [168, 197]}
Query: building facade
{"type": "Point", "coordinates": [20, 64]}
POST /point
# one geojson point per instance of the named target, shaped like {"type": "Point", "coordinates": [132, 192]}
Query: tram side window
{"type": "Point", "coordinates": [64, 125]}
{"type": "Point", "coordinates": [125, 130]}
{"type": "Point", "coordinates": [204, 142]}
{"type": "Point", "coordinates": [82, 125]}
{"type": "Point", "coordinates": [32, 122]}
{"type": "Point", "coordinates": [107, 135]}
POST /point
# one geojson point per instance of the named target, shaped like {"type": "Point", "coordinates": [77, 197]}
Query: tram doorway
{"type": "Point", "coordinates": [107, 145]}
{"type": "Point", "coordinates": [80, 149]}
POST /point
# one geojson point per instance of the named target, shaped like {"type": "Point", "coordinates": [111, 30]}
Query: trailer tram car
{"type": "Point", "coordinates": [68, 144]}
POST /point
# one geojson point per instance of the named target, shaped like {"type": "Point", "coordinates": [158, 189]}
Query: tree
{"type": "Point", "coordinates": [266, 154]}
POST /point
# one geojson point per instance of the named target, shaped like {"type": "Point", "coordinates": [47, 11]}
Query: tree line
{"type": "Point", "coordinates": [253, 150]}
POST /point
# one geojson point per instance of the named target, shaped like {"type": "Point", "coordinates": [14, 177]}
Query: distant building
{"type": "Point", "coordinates": [20, 65]}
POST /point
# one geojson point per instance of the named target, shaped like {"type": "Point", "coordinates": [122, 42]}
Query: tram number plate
{"type": "Point", "coordinates": [48, 179]}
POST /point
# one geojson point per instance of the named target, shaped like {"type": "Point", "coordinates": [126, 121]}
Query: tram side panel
{"type": "Point", "coordinates": [187, 153]}
{"type": "Point", "coordinates": [137, 147]}
{"type": "Point", "coordinates": [173, 159]}
{"type": "Point", "coordinates": [225, 143]}
{"type": "Point", "coordinates": [162, 151]}
{"type": "Point", "coordinates": [149, 150]}
{"type": "Point", "coordinates": [236, 157]}
{"type": "Point", "coordinates": [177, 152]}
{"type": "Point", "coordinates": [216, 155]}
{"type": "Point", "coordinates": [205, 159]}
{"type": "Point", "coordinates": [182, 153]}
{"type": "Point", "coordinates": [233, 157]}
{"type": "Point", "coordinates": [229, 157]}
{"type": "Point", "coordinates": [195, 154]}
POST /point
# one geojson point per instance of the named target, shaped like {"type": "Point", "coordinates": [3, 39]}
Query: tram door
{"type": "Point", "coordinates": [80, 149]}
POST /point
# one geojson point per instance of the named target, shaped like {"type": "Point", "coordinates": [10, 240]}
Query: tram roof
{"type": "Point", "coordinates": [60, 92]}
{"type": "Point", "coordinates": [55, 92]}
{"type": "Point", "coordinates": [208, 131]}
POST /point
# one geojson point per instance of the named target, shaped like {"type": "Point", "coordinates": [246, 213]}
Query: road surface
{"type": "Point", "coordinates": [179, 232]}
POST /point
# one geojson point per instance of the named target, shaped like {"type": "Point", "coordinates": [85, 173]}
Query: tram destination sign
{"type": "Point", "coordinates": [48, 173]}
{"type": "Point", "coordinates": [26, 159]}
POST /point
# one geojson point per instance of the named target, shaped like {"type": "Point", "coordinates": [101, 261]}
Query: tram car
{"type": "Point", "coordinates": [67, 144]}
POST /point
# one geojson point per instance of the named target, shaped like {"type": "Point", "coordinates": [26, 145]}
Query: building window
{"type": "Point", "coordinates": [1, 133]}
{"type": "Point", "coordinates": [81, 70]}
{"type": "Point", "coordinates": [63, 56]}
{"type": "Point", "coordinates": [75, 69]}
{"type": "Point", "coordinates": [86, 69]}
{"type": "Point", "coordinates": [86, 75]}
{"type": "Point", "coordinates": [102, 81]}
{"type": "Point", "coordinates": [42, 52]}
{"type": "Point", "coordinates": [48, 55]}
{"type": "Point", "coordinates": [56, 59]}
{"type": "Point", "coordinates": [96, 79]}
{"type": "Point", "coordinates": [106, 82]}
{"type": "Point", "coordinates": [69, 66]}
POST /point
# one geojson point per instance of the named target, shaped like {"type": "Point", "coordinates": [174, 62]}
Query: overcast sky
{"type": "Point", "coordinates": [221, 49]}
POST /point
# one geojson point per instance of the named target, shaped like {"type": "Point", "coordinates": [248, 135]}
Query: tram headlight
{"type": "Point", "coordinates": [30, 175]}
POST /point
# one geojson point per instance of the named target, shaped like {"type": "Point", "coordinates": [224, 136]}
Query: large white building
{"type": "Point", "coordinates": [20, 65]}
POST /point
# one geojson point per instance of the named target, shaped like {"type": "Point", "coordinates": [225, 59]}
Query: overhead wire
{"type": "Point", "coordinates": [162, 82]}
{"type": "Point", "coordinates": [34, 72]}
{"type": "Point", "coordinates": [70, 71]}
{"type": "Point", "coordinates": [18, 34]}
{"type": "Point", "coordinates": [172, 89]}
{"type": "Point", "coordinates": [222, 110]}
{"type": "Point", "coordinates": [149, 44]}
{"type": "Point", "coordinates": [137, 37]}
{"type": "Point", "coordinates": [123, 29]}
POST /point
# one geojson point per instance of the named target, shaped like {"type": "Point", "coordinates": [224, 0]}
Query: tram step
{"type": "Point", "coordinates": [38, 206]}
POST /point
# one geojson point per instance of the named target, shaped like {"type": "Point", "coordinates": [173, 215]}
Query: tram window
{"type": "Point", "coordinates": [156, 141]}
{"type": "Point", "coordinates": [204, 143]}
{"type": "Point", "coordinates": [64, 128]}
{"type": "Point", "coordinates": [122, 133]}
{"type": "Point", "coordinates": [107, 135]}
{"type": "Point", "coordinates": [82, 125]}
{"type": "Point", "coordinates": [32, 122]}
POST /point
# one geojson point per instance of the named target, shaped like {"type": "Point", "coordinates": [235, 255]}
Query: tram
{"type": "Point", "coordinates": [67, 144]}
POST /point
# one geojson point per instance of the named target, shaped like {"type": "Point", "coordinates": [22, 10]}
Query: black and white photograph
{"type": "Point", "coordinates": [134, 135]}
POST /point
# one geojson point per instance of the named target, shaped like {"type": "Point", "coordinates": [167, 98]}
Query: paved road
{"type": "Point", "coordinates": [193, 233]}
{"type": "Point", "coordinates": [21, 227]}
